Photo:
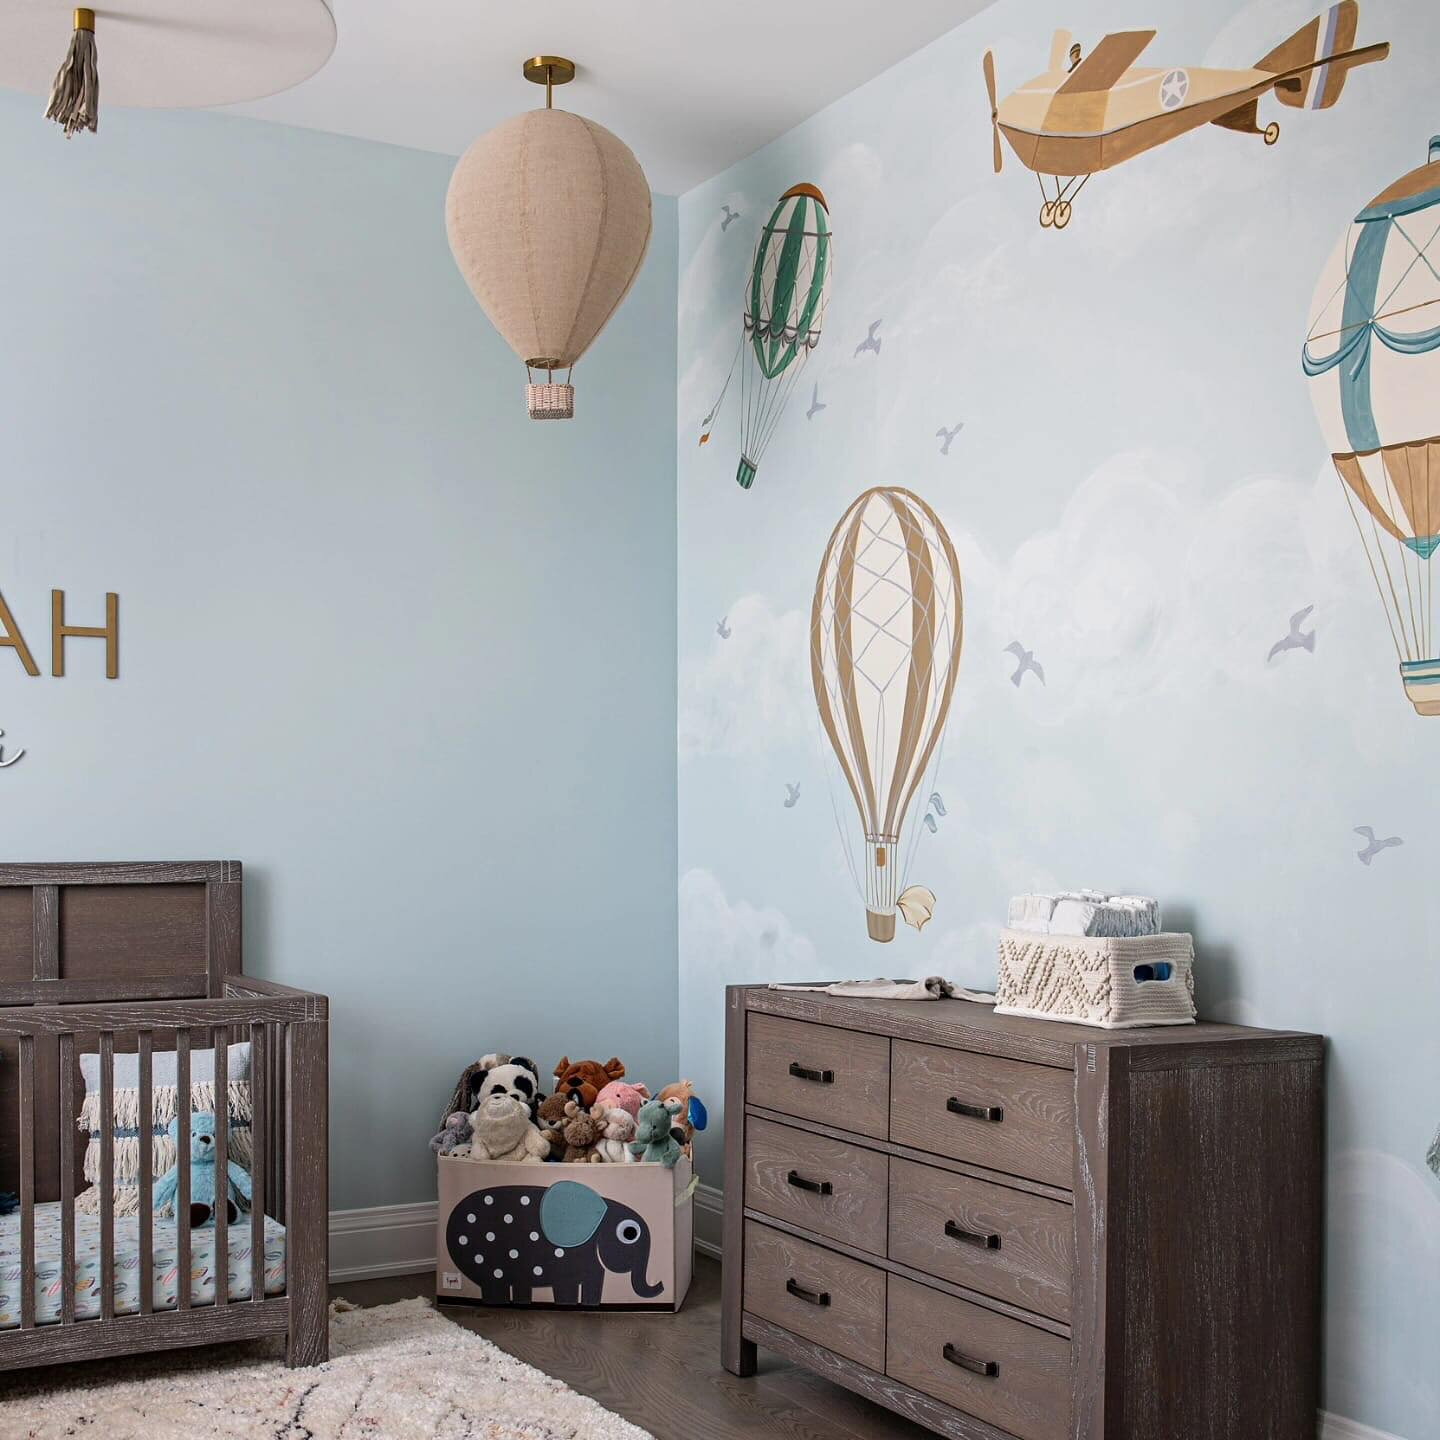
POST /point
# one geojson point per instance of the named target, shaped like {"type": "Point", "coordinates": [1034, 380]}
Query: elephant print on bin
{"type": "Point", "coordinates": [511, 1240]}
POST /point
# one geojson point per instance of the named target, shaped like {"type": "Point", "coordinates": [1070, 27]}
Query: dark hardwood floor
{"type": "Point", "coordinates": [663, 1371]}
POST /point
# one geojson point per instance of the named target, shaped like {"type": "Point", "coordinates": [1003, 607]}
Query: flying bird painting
{"type": "Point", "coordinates": [1026, 664]}
{"type": "Point", "coordinates": [1432, 1156]}
{"type": "Point", "coordinates": [1372, 355]}
{"type": "Point", "coordinates": [792, 795]}
{"type": "Point", "coordinates": [871, 341]}
{"type": "Point", "coordinates": [722, 628]}
{"type": "Point", "coordinates": [1373, 846]}
{"type": "Point", "coordinates": [886, 629]}
{"type": "Point", "coordinates": [781, 319]}
{"type": "Point", "coordinates": [816, 404]}
{"type": "Point", "coordinates": [945, 436]}
{"type": "Point", "coordinates": [1092, 112]}
{"type": "Point", "coordinates": [731, 216]}
{"type": "Point", "coordinates": [1297, 639]}
{"type": "Point", "coordinates": [937, 804]}
{"type": "Point", "coordinates": [15, 758]}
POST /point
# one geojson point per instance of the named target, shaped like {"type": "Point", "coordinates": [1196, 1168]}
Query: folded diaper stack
{"type": "Point", "coordinates": [1085, 912]}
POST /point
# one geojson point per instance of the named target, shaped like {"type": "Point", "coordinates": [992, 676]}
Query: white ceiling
{"type": "Point", "coordinates": [690, 85]}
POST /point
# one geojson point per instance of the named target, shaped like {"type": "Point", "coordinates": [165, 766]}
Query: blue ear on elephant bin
{"type": "Point", "coordinates": [570, 1213]}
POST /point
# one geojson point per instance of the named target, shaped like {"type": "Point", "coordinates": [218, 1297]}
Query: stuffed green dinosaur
{"type": "Point", "coordinates": [202, 1177]}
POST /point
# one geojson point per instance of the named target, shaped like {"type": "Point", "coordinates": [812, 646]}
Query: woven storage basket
{"type": "Point", "coordinates": [1095, 980]}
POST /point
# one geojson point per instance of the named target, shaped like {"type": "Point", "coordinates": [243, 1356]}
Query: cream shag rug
{"type": "Point", "coordinates": [397, 1372]}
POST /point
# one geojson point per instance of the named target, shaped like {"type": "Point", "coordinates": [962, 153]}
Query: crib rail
{"type": "Point", "coordinates": [288, 1035]}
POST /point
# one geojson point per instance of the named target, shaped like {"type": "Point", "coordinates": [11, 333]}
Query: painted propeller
{"type": "Point", "coordinates": [994, 109]}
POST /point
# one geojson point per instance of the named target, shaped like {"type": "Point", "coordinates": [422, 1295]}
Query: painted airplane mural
{"type": "Point", "coordinates": [1091, 113]}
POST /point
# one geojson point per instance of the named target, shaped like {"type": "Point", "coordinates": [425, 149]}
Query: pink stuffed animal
{"type": "Point", "coordinates": [621, 1095]}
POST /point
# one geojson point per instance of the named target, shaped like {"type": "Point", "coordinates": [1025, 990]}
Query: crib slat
{"type": "Point", "coordinates": [145, 1180]}
{"type": "Point", "coordinates": [182, 1169]}
{"type": "Point", "coordinates": [27, 1182]}
{"type": "Point", "coordinates": [107, 1175]}
{"type": "Point", "coordinates": [67, 1179]}
{"type": "Point", "coordinates": [259, 1139]}
{"type": "Point", "coordinates": [221, 1041]}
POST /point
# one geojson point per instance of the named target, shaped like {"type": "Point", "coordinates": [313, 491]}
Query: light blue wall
{"type": "Point", "coordinates": [1141, 495]}
{"type": "Point", "coordinates": [407, 654]}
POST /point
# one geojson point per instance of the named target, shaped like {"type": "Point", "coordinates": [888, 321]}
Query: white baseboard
{"type": "Point", "coordinates": [710, 1203]}
{"type": "Point", "coordinates": [383, 1240]}
{"type": "Point", "coordinates": [1337, 1427]}
{"type": "Point", "coordinates": [400, 1239]}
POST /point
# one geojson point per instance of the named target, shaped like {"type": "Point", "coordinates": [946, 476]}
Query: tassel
{"type": "Point", "coordinates": [75, 95]}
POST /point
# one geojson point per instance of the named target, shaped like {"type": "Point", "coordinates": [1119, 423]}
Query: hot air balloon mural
{"type": "Point", "coordinates": [784, 310]}
{"type": "Point", "coordinates": [886, 629]}
{"type": "Point", "coordinates": [1373, 357]}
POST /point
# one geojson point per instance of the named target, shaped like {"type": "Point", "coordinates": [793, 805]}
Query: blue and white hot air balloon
{"type": "Point", "coordinates": [1373, 357]}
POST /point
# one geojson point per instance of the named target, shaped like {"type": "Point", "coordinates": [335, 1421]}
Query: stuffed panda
{"type": "Point", "coordinates": [495, 1074]}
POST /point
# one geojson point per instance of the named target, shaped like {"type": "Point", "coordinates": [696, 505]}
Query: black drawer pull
{"type": "Point", "coordinates": [820, 1077]}
{"type": "Point", "coordinates": [993, 1113]}
{"type": "Point", "coordinates": [988, 1368]}
{"type": "Point", "coordinates": [815, 1187]}
{"type": "Point", "coordinates": [810, 1297]}
{"type": "Point", "coordinates": [972, 1237]}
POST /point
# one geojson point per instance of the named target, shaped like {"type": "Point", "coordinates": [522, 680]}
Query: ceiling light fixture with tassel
{"type": "Point", "coordinates": [160, 54]}
{"type": "Point", "coordinates": [548, 216]}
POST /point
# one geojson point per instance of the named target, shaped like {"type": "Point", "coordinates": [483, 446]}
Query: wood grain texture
{"type": "Point", "coordinates": [157, 1014]}
{"type": "Point", "coordinates": [46, 915]}
{"type": "Point", "coordinates": [934, 1415]}
{"type": "Point", "coordinates": [1035, 1136]}
{"type": "Point", "coordinates": [968, 1026]}
{"type": "Point", "coordinates": [781, 1162]}
{"type": "Point", "coordinates": [307, 1191]}
{"type": "Point", "coordinates": [737, 1354]}
{"type": "Point", "coordinates": [851, 1321]}
{"type": "Point", "coordinates": [921, 1277]}
{"type": "Point", "coordinates": [67, 1184]}
{"type": "Point", "coordinates": [1029, 1396]}
{"type": "Point", "coordinates": [1032, 1254]}
{"type": "Point", "coordinates": [855, 1097]}
{"type": "Point", "coordinates": [922, 1157]}
{"type": "Point", "coordinates": [1221, 1228]}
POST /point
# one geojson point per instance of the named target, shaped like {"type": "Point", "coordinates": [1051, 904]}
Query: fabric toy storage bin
{"type": "Point", "coordinates": [1112, 983]}
{"type": "Point", "coordinates": [601, 1237]}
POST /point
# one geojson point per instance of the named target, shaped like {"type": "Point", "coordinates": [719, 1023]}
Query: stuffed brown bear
{"type": "Point", "coordinates": [582, 1133]}
{"type": "Point", "coordinates": [585, 1079]}
{"type": "Point", "coordinates": [550, 1117]}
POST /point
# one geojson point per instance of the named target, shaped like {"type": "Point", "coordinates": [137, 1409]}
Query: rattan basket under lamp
{"type": "Point", "coordinates": [159, 54]}
{"type": "Point", "coordinates": [549, 219]}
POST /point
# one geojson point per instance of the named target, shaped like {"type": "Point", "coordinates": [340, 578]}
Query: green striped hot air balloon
{"type": "Point", "coordinates": [785, 301]}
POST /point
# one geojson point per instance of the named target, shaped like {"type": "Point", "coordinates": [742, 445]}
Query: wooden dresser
{"type": "Point", "coordinates": [1004, 1227]}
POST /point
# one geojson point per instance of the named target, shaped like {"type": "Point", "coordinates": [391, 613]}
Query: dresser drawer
{"type": "Point", "coordinates": [831, 1299]}
{"type": "Point", "coordinates": [839, 1077]}
{"type": "Point", "coordinates": [830, 1186]}
{"type": "Point", "coordinates": [998, 1369]}
{"type": "Point", "coordinates": [1004, 1114]}
{"type": "Point", "coordinates": [1006, 1243]}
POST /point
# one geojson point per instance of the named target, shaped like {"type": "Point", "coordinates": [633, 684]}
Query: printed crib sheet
{"type": "Point", "coordinates": [127, 1265]}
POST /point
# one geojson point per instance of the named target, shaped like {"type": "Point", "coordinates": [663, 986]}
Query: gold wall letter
{"type": "Point", "coordinates": [109, 633]}
{"type": "Point", "coordinates": [10, 635]}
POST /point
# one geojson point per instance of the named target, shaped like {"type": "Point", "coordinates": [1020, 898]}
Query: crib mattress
{"type": "Point", "coordinates": [165, 1269]}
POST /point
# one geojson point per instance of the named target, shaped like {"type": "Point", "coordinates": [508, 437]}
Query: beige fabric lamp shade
{"type": "Point", "coordinates": [549, 220]}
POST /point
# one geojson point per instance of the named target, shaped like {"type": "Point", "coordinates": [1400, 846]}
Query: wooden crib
{"type": "Point", "coordinates": [143, 959]}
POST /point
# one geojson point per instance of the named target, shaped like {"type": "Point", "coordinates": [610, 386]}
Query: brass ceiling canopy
{"type": "Point", "coordinates": [548, 70]}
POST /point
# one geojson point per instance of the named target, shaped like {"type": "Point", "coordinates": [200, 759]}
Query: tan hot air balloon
{"type": "Point", "coordinates": [549, 219]}
{"type": "Point", "coordinates": [886, 629]}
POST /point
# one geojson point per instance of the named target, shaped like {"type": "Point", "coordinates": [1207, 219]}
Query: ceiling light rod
{"type": "Point", "coordinates": [549, 71]}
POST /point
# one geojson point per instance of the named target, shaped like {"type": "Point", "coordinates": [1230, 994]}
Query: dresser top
{"type": "Point", "coordinates": [966, 1025]}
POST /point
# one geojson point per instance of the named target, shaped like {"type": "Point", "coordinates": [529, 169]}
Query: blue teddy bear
{"type": "Point", "coordinates": [202, 1176]}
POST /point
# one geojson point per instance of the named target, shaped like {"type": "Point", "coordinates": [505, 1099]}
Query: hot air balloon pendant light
{"type": "Point", "coordinates": [784, 310]}
{"type": "Point", "coordinates": [549, 219]}
{"type": "Point", "coordinates": [1373, 357]}
{"type": "Point", "coordinates": [886, 629]}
